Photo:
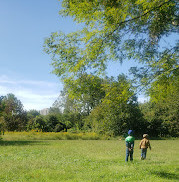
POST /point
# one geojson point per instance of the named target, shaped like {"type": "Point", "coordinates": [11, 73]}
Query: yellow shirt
{"type": "Point", "coordinates": [144, 143]}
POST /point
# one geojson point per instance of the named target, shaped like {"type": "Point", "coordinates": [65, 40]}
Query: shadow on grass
{"type": "Point", "coordinates": [166, 175]}
{"type": "Point", "coordinates": [22, 143]}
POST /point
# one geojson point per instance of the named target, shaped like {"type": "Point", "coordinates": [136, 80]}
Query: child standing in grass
{"type": "Point", "coordinates": [129, 146]}
{"type": "Point", "coordinates": [144, 144]}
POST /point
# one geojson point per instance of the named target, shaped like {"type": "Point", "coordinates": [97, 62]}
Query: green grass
{"type": "Point", "coordinates": [86, 160]}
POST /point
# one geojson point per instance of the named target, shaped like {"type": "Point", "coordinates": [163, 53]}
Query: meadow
{"type": "Point", "coordinates": [85, 161]}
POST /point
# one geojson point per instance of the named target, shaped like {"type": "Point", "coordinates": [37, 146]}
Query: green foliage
{"type": "Point", "coordinates": [55, 110]}
{"type": "Point", "coordinates": [15, 118]}
{"type": "Point", "coordinates": [59, 127]}
{"type": "Point", "coordinates": [157, 70]}
{"type": "Point", "coordinates": [162, 110]}
{"type": "Point", "coordinates": [32, 113]}
{"type": "Point", "coordinates": [54, 122]}
{"type": "Point", "coordinates": [2, 123]}
{"type": "Point", "coordinates": [31, 117]}
{"type": "Point", "coordinates": [118, 110]}
{"type": "Point", "coordinates": [164, 94]}
{"type": "Point", "coordinates": [40, 123]}
{"type": "Point", "coordinates": [2, 105]}
{"type": "Point", "coordinates": [85, 92]}
{"type": "Point", "coordinates": [161, 120]}
{"type": "Point", "coordinates": [112, 30]}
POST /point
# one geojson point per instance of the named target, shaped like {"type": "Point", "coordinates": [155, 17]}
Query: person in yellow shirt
{"type": "Point", "coordinates": [144, 144]}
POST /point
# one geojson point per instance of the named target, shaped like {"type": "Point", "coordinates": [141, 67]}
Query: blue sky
{"type": "Point", "coordinates": [25, 69]}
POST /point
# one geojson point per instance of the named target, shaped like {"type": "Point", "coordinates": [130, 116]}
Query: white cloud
{"type": "Point", "coordinates": [32, 100]}
{"type": "Point", "coordinates": [33, 94]}
{"type": "Point", "coordinates": [143, 99]}
{"type": "Point", "coordinates": [5, 80]}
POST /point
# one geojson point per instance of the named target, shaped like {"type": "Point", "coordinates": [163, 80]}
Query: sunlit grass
{"type": "Point", "coordinates": [86, 160]}
{"type": "Point", "coordinates": [33, 135]}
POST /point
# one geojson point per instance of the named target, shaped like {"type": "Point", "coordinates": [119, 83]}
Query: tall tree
{"type": "Point", "coordinates": [118, 110]}
{"type": "Point", "coordinates": [81, 94]}
{"type": "Point", "coordinates": [86, 91]}
{"type": "Point", "coordinates": [114, 30]}
{"type": "Point", "coordinates": [164, 94]}
{"type": "Point", "coordinates": [14, 115]}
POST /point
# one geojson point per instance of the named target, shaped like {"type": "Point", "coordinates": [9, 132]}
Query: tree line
{"type": "Point", "coordinates": [14, 118]}
{"type": "Point", "coordinates": [103, 105]}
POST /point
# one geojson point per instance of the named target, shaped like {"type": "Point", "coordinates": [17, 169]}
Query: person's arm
{"type": "Point", "coordinates": [140, 144]}
{"type": "Point", "coordinates": [127, 144]}
{"type": "Point", "coordinates": [150, 146]}
{"type": "Point", "coordinates": [132, 145]}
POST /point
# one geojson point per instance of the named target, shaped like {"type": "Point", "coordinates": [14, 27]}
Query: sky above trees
{"type": "Point", "coordinates": [24, 68]}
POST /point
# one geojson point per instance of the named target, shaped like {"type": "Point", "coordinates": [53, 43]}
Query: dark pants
{"type": "Point", "coordinates": [143, 153]}
{"type": "Point", "coordinates": [129, 153]}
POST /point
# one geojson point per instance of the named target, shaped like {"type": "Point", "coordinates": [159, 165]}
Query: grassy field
{"type": "Point", "coordinates": [86, 160]}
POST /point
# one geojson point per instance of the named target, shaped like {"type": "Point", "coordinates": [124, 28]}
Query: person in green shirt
{"type": "Point", "coordinates": [129, 145]}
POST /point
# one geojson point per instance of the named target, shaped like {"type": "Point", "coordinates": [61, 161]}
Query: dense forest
{"type": "Point", "coordinates": [91, 101]}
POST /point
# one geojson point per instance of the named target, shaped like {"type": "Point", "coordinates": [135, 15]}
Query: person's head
{"type": "Point", "coordinates": [130, 132]}
{"type": "Point", "coordinates": [145, 135]}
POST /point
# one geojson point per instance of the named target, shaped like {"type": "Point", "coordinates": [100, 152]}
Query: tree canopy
{"type": "Point", "coordinates": [115, 30]}
{"type": "Point", "coordinates": [13, 115]}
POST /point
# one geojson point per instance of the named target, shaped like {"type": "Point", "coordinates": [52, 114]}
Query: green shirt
{"type": "Point", "coordinates": [130, 141]}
